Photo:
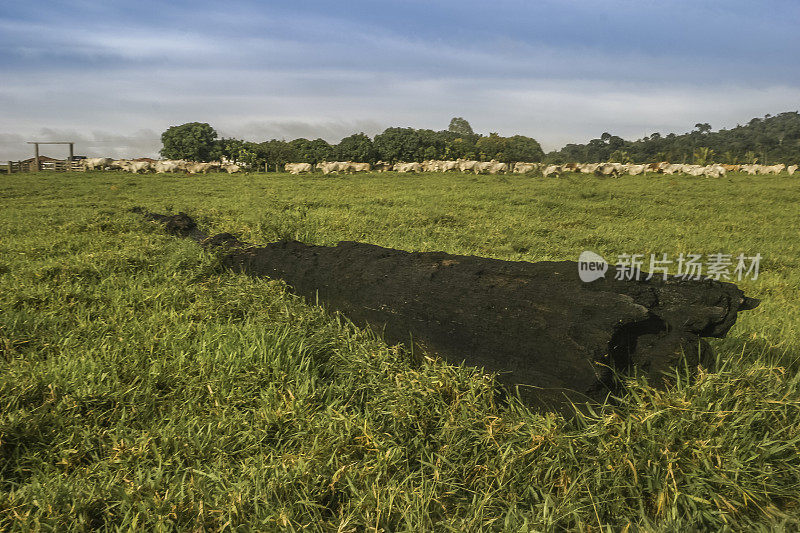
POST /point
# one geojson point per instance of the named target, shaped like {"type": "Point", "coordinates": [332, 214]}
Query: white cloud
{"type": "Point", "coordinates": [285, 75]}
{"type": "Point", "coordinates": [141, 143]}
{"type": "Point", "coordinates": [559, 112]}
{"type": "Point", "coordinates": [259, 104]}
{"type": "Point", "coordinates": [332, 131]}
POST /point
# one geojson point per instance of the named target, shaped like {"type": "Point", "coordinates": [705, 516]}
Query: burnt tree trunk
{"type": "Point", "coordinates": [535, 324]}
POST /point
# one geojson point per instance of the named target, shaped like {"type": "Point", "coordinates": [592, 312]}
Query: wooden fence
{"type": "Point", "coordinates": [58, 165]}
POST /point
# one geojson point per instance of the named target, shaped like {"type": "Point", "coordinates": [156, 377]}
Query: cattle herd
{"type": "Point", "coordinates": [160, 167]}
{"type": "Point", "coordinates": [496, 167]}
{"type": "Point", "coordinates": [459, 165]}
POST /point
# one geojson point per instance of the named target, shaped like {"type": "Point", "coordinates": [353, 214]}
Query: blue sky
{"type": "Point", "coordinates": [114, 75]}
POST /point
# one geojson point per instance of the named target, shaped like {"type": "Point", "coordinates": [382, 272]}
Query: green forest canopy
{"type": "Point", "coordinates": [768, 140]}
{"type": "Point", "coordinates": [772, 139]}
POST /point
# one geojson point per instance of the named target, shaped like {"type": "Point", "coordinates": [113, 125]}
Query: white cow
{"type": "Point", "coordinates": [447, 166]}
{"type": "Point", "coordinates": [791, 169]}
{"type": "Point", "coordinates": [752, 170]}
{"type": "Point", "coordinates": [482, 167]}
{"type": "Point", "coordinates": [407, 167]}
{"type": "Point", "coordinates": [552, 170]}
{"type": "Point", "coordinates": [671, 168]}
{"type": "Point", "coordinates": [344, 166]}
{"type": "Point", "coordinates": [524, 168]}
{"type": "Point", "coordinates": [297, 168]}
{"type": "Point", "coordinates": [333, 167]}
{"type": "Point", "coordinates": [136, 166]}
{"type": "Point", "coordinates": [382, 166]}
{"type": "Point", "coordinates": [772, 169]}
{"type": "Point", "coordinates": [231, 168]}
{"type": "Point", "coordinates": [608, 169]}
{"type": "Point", "coordinates": [326, 167]}
{"type": "Point", "coordinates": [694, 170]}
{"type": "Point", "coordinates": [167, 165]}
{"type": "Point", "coordinates": [495, 167]}
{"type": "Point", "coordinates": [430, 166]}
{"type": "Point", "coordinates": [714, 171]}
{"type": "Point", "coordinates": [466, 166]}
{"type": "Point", "coordinates": [588, 168]}
{"type": "Point", "coordinates": [635, 170]}
{"type": "Point", "coordinates": [195, 168]}
{"type": "Point", "coordinates": [359, 167]}
{"type": "Point", "coordinates": [96, 163]}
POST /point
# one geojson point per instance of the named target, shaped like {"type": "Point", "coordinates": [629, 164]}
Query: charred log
{"type": "Point", "coordinates": [535, 324]}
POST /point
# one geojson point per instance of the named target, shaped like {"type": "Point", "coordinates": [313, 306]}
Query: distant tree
{"type": "Point", "coordinates": [571, 152]}
{"type": "Point", "coordinates": [302, 150]}
{"type": "Point", "coordinates": [597, 150]}
{"type": "Point", "coordinates": [313, 152]}
{"type": "Point", "coordinates": [357, 147]}
{"type": "Point", "coordinates": [242, 152]}
{"type": "Point", "coordinates": [461, 148]}
{"type": "Point", "coordinates": [195, 141]}
{"type": "Point", "coordinates": [703, 127]}
{"type": "Point", "coordinates": [460, 126]}
{"type": "Point", "coordinates": [616, 142]}
{"type": "Point", "coordinates": [230, 148]}
{"type": "Point", "coordinates": [433, 144]}
{"type": "Point", "coordinates": [408, 144]}
{"type": "Point", "coordinates": [703, 155]}
{"type": "Point", "coordinates": [773, 138]}
{"type": "Point", "coordinates": [620, 156]}
{"type": "Point", "coordinates": [277, 152]}
{"type": "Point", "coordinates": [521, 148]}
{"type": "Point", "coordinates": [492, 147]}
{"type": "Point", "coordinates": [397, 144]}
{"type": "Point", "coordinates": [320, 151]}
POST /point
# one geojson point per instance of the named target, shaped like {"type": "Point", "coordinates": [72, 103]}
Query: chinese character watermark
{"type": "Point", "coordinates": [718, 266]}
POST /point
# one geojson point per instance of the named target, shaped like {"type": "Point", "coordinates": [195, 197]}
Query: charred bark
{"type": "Point", "coordinates": [535, 324]}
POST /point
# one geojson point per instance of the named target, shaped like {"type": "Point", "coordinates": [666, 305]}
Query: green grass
{"type": "Point", "coordinates": [143, 387]}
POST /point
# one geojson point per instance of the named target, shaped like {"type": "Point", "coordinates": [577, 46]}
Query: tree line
{"type": "Point", "coordinates": [768, 140]}
{"type": "Point", "coordinates": [198, 141]}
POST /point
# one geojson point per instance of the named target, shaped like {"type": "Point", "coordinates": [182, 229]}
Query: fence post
{"type": "Point", "coordinates": [9, 167]}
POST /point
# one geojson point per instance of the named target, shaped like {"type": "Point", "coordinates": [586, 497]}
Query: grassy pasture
{"type": "Point", "coordinates": [144, 387]}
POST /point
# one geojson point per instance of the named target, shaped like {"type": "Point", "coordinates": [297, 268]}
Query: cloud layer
{"type": "Point", "coordinates": [113, 76]}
